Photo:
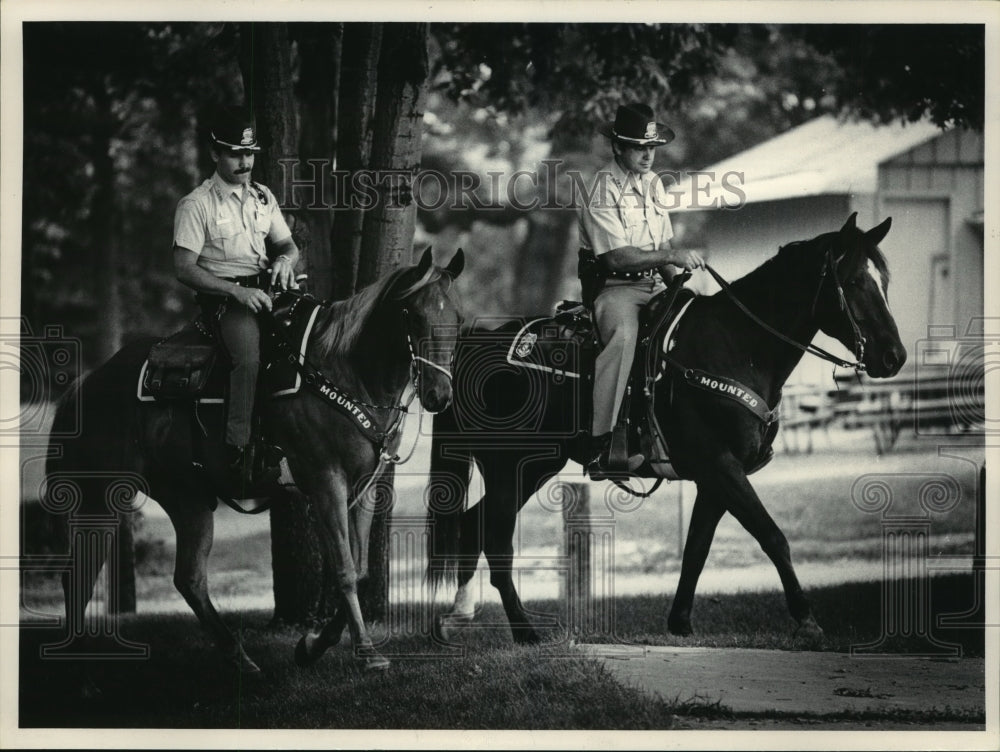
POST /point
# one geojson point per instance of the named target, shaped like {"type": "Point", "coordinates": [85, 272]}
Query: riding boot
{"type": "Point", "coordinates": [599, 467]}
{"type": "Point", "coordinates": [239, 470]}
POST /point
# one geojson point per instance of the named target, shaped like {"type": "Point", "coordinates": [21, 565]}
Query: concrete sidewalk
{"type": "Point", "coordinates": [798, 682]}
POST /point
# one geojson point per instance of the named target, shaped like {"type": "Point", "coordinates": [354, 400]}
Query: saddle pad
{"type": "Point", "coordinates": [280, 378]}
{"type": "Point", "coordinates": [551, 344]}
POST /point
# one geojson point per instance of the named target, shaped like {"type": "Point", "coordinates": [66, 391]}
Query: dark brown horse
{"type": "Point", "coordinates": [371, 346]}
{"type": "Point", "coordinates": [521, 427]}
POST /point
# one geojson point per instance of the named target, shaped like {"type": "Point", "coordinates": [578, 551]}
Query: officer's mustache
{"type": "Point", "coordinates": [241, 171]}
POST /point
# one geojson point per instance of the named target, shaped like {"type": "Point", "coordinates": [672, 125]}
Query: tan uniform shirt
{"type": "Point", "coordinates": [624, 210]}
{"type": "Point", "coordinates": [226, 226]}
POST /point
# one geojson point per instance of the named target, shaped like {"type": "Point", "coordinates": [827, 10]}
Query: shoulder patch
{"type": "Point", "coordinates": [260, 191]}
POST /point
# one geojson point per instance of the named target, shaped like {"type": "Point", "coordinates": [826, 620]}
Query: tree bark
{"type": "Point", "coordinates": [398, 126]}
{"type": "Point", "coordinates": [319, 46]}
{"type": "Point", "coordinates": [266, 66]}
{"type": "Point", "coordinates": [356, 109]}
{"type": "Point", "coordinates": [106, 229]}
{"type": "Point", "coordinates": [387, 240]}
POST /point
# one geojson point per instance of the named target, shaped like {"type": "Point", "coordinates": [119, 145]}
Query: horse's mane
{"type": "Point", "coordinates": [794, 252]}
{"type": "Point", "coordinates": [339, 327]}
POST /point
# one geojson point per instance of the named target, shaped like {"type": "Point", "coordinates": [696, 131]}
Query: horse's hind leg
{"type": "Point", "coordinates": [704, 520]}
{"type": "Point", "coordinates": [471, 542]}
{"type": "Point", "coordinates": [195, 527]}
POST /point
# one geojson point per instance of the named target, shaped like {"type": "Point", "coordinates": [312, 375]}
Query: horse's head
{"type": "Point", "coordinates": [852, 302]}
{"type": "Point", "coordinates": [432, 317]}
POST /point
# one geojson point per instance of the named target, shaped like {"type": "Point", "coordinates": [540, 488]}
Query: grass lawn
{"type": "Point", "coordinates": [482, 681]}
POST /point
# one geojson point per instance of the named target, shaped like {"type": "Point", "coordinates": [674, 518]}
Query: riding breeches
{"type": "Point", "coordinates": [616, 312]}
{"type": "Point", "coordinates": [240, 332]}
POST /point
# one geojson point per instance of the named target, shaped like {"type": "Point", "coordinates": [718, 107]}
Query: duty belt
{"type": "Point", "coordinates": [647, 274]}
{"type": "Point", "coordinates": [261, 280]}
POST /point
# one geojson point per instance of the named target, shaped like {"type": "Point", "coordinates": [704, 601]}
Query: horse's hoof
{"type": "Point", "coordinates": [249, 668]}
{"type": "Point", "coordinates": [369, 660]}
{"type": "Point", "coordinates": [526, 636]}
{"type": "Point", "coordinates": [90, 691]}
{"type": "Point", "coordinates": [303, 651]}
{"type": "Point", "coordinates": [243, 663]}
{"type": "Point", "coordinates": [449, 624]}
{"type": "Point", "coordinates": [809, 632]}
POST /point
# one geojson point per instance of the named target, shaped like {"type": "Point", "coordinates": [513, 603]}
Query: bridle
{"type": "Point", "coordinates": [859, 338]}
{"type": "Point", "coordinates": [415, 358]}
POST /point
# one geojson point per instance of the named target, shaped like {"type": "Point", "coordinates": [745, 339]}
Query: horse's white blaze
{"type": "Point", "coordinates": [465, 602]}
{"type": "Point", "coordinates": [873, 271]}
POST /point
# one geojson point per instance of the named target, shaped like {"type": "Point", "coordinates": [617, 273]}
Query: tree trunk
{"type": "Point", "coordinates": [387, 240]}
{"type": "Point", "coordinates": [398, 125]}
{"type": "Point", "coordinates": [319, 46]}
{"type": "Point", "coordinates": [356, 109]}
{"type": "Point", "coordinates": [106, 231]}
{"type": "Point", "coordinates": [266, 66]}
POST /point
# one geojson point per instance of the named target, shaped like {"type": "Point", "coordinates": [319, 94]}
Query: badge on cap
{"type": "Point", "coordinates": [247, 139]}
{"type": "Point", "coordinates": [650, 130]}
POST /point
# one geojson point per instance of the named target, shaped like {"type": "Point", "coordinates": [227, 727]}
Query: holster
{"type": "Point", "coordinates": [592, 276]}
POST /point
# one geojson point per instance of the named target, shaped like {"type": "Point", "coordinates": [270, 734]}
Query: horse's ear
{"type": "Point", "coordinates": [425, 262]}
{"type": "Point", "coordinates": [456, 264]}
{"type": "Point", "coordinates": [877, 234]}
{"type": "Point", "coordinates": [850, 224]}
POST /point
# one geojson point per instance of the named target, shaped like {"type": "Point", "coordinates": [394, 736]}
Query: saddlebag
{"type": "Point", "coordinates": [180, 365]}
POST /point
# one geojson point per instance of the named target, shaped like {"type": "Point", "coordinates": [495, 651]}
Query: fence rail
{"type": "Point", "coordinates": [934, 405]}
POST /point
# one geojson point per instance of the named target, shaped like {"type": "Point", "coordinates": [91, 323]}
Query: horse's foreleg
{"type": "Point", "coordinates": [311, 647]}
{"type": "Point", "coordinates": [331, 509]}
{"type": "Point", "coordinates": [704, 520]}
{"type": "Point", "coordinates": [194, 525]}
{"type": "Point", "coordinates": [730, 485]}
{"type": "Point", "coordinates": [500, 555]}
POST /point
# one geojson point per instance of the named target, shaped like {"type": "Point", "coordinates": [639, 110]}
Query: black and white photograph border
{"type": "Point", "coordinates": [601, 570]}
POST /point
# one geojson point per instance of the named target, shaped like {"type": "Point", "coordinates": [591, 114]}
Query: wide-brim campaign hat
{"type": "Point", "coordinates": [233, 129]}
{"type": "Point", "coordinates": [635, 124]}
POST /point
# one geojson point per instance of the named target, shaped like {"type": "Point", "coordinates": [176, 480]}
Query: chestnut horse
{"type": "Point", "coordinates": [371, 346]}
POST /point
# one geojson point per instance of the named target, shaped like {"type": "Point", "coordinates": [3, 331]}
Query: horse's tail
{"type": "Point", "coordinates": [447, 489]}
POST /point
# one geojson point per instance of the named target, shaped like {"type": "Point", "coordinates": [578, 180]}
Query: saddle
{"type": "Point", "coordinates": [566, 344]}
{"type": "Point", "coordinates": [192, 365]}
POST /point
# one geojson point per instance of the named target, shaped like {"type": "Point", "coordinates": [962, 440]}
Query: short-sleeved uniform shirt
{"type": "Point", "coordinates": [226, 226]}
{"type": "Point", "coordinates": [624, 210]}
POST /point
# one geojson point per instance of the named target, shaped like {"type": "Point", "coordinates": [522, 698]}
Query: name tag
{"type": "Point", "coordinates": [222, 220]}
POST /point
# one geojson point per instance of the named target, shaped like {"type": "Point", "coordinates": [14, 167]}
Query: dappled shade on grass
{"type": "Point", "coordinates": [486, 683]}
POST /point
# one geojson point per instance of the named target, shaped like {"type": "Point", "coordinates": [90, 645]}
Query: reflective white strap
{"type": "Point", "coordinates": [432, 364]}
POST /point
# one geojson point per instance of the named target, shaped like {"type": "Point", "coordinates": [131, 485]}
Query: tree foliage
{"type": "Point", "coordinates": [906, 71]}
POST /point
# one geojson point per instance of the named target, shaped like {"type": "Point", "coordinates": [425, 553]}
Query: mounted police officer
{"type": "Point", "coordinates": [219, 250]}
{"type": "Point", "coordinates": [625, 234]}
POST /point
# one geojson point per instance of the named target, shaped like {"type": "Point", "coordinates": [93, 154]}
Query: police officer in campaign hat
{"type": "Point", "coordinates": [625, 235]}
{"type": "Point", "coordinates": [219, 250]}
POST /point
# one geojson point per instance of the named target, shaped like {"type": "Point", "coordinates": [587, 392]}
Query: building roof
{"type": "Point", "coordinates": [823, 156]}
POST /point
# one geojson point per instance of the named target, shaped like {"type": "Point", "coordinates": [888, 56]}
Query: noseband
{"type": "Point", "coordinates": [414, 358]}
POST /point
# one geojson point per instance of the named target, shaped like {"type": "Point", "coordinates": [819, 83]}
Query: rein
{"type": "Point", "coordinates": [819, 352]}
